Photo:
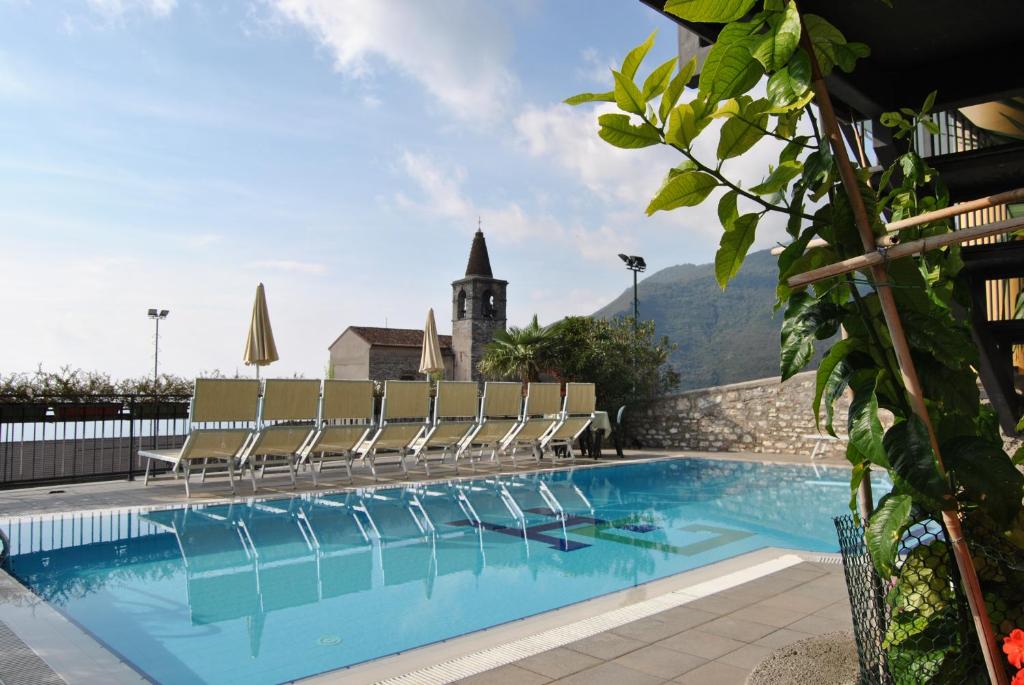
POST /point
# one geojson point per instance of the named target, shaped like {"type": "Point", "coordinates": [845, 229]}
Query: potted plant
{"type": "Point", "coordinates": [18, 403]}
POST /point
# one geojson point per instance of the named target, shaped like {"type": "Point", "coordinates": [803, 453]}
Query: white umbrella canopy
{"type": "Point", "coordinates": [431, 360]}
{"type": "Point", "coordinates": [260, 349]}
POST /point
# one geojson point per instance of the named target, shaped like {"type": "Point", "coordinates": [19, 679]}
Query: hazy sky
{"type": "Point", "coordinates": [174, 153]}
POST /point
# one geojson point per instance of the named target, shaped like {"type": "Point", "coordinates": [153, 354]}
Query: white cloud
{"type": "Point", "coordinates": [292, 266]}
{"type": "Point", "coordinates": [596, 68]}
{"type": "Point", "coordinates": [456, 49]}
{"type": "Point", "coordinates": [115, 9]}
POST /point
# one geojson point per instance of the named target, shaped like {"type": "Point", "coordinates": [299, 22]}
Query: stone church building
{"type": "Point", "coordinates": [478, 312]}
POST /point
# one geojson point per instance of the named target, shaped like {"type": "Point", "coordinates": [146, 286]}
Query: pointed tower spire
{"type": "Point", "coordinates": [479, 262]}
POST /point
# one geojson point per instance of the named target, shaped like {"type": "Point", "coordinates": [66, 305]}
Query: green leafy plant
{"type": "Point", "coordinates": [760, 42]}
{"type": "Point", "coordinates": [518, 353]}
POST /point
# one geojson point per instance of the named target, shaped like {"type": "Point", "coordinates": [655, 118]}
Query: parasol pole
{"type": "Point", "coordinates": [880, 275]}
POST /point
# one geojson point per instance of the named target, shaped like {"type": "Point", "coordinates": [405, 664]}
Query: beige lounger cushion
{"type": "Point", "coordinates": [456, 399]}
{"type": "Point", "coordinates": [533, 430]}
{"type": "Point", "coordinates": [221, 399]}
{"type": "Point", "coordinates": [570, 428]}
{"type": "Point", "coordinates": [338, 439]}
{"type": "Point", "coordinates": [447, 434]}
{"type": "Point", "coordinates": [214, 443]}
{"type": "Point", "coordinates": [543, 398]}
{"type": "Point", "coordinates": [493, 431]}
{"type": "Point", "coordinates": [397, 436]}
{"type": "Point", "coordinates": [406, 399]}
{"type": "Point", "coordinates": [290, 399]}
{"type": "Point", "coordinates": [281, 440]}
{"type": "Point", "coordinates": [580, 398]}
{"type": "Point", "coordinates": [502, 399]}
{"type": "Point", "coordinates": [348, 400]}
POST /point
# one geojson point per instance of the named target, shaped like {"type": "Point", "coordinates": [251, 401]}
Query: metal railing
{"type": "Point", "coordinates": [51, 440]}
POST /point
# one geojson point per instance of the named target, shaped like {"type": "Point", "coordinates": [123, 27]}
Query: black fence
{"type": "Point", "coordinates": [60, 440]}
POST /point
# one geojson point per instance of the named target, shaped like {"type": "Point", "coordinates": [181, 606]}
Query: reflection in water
{"type": "Point", "coordinates": [246, 561]}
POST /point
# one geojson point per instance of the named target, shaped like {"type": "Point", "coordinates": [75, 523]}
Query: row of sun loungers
{"type": "Point", "coordinates": [308, 424]}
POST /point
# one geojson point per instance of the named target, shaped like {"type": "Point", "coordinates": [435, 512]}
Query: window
{"type": "Point", "coordinates": [490, 308]}
{"type": "Point", "coordinates": [461, 306]}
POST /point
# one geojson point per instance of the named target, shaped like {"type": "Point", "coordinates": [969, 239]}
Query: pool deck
{"type": "Point", "coordinates": [166, 491]}
{"type": "Point", "coordinates": [710, 625]}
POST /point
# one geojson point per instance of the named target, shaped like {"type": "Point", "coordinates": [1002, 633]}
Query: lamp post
{"type": "Point", "coordinates": [157, 315]}
{"type": "Point", "coordinates": [636, 265]}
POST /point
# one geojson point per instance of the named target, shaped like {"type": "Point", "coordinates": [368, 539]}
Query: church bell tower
{"type": "Point", "coordinates": [478, 311]}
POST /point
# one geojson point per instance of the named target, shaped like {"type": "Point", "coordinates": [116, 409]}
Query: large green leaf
{"type": "Point", "coordinates": [675, 87]}
{"type": "Point", "coordinates": [658, 80]}
{"type": "Point", "coordinates": [864, 427]}
{"type": "Point", "coordinates": [779, 178]}
{"type": "Point", "coordinates": [627, 95]}
{"type": "Point", "coordinates": [836, 354]}
{"type": "Point", "coordinates": [885, 529]}
{"type": "Point", "coordinates": [727, 210]}
{"type": "Point", "coordinates": [789, 84]}
{"type": "Point", "coordinates": [806, 319]}
{"type": "Point", "coordinates": [685, 123]}
{"type": "Point", "coordinates": [683, 190]}
{"type": "Point", "coordinates": [781, 40]}
{"type": "Point", "coordinates": [835, 386]}
{"type": "Point", "coordinates": [618, 130]}
{"type": "Point", "coordinates": [733, 248]}
{"type": "Point", "coordinates": [636, 56]}
{"type": "Point", "coordinates": [716, 11]}
{"type": "Point", "coordinates": [590, 97]}
{"type": "Point", "coordinates": [742, 131]}
{"type": "Point", "coordinates": [728, 71]}
{"type": "Point", "coordinates": [987, 475]}
{"type": "Point", "coordinates": [913, 459]}
{"type": "Point", "coordinates": [830, 45]}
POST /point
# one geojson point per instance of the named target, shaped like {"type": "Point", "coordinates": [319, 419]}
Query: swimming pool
{"type": "Point", "coordinates": [277, 589]}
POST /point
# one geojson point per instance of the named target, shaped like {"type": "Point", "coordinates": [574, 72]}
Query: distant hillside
{"type": "Point", "coordinates": [723, 336]}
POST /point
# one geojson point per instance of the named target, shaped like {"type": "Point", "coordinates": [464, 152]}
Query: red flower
{"type": "Point", "coordinates": [1013, 647]}
{"type": "Point", "coordinates": [1019, 678]}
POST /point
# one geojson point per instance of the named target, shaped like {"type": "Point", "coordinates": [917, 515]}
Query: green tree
{"type": "Point", "coordinates": [625, 365]}
{"type": "Point", "coordinates": [772, 40]}
{"type": "Point", "coordinates": [518, 353]}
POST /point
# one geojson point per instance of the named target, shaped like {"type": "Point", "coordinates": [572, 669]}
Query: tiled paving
{"type": "Point", "coordinates": [716, 640]}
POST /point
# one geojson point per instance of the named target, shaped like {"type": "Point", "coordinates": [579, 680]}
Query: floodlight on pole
{"type": "Point", "coordinates": [157, 315]}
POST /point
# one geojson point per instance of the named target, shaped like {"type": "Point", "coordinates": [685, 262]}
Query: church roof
{"type": "Point", "coordinates": [479, 263]}
{"type": "Point", "coordinates": [396, 337]}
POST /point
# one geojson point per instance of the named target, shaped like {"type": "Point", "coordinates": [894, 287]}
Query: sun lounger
{"type": "Point", "coordinates": [346, 419]}
{"type": "Point", "coordinates": [222, 418]}
{"type": "Point", "coordinates": [404, 414]}
{"type": "Point", "coordinates": [499, 416]}
{"type": "Point", "coordinates": [577, 413]}
{"type": "Point", "coordinates": [288, 416]}
{"type": "Point", "coordinates": [540, 414]}
{"type": "Point", "coordinates": [455, 414]}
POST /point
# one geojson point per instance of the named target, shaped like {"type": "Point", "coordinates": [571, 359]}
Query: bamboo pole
{"type": "Point", "coordinates": [879, 256]}
{"type": "Point", "coordinates": [879, 272]}
{"type": "Point", "coordinates": [936, 215]}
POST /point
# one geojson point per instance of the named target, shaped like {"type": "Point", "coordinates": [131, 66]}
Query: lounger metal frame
{"type": "Point", "coordinates": [215, 401]}
{"type": "Point", "coordinates": [455, 416]}
{"type": "Point", "coordinates": [345, 422]}
{"type": "Point", "coordinates": [405, 413]}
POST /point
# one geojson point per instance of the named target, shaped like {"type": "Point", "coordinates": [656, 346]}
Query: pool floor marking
{"type": "Point", "coordinates": [599, 530]}
{"type": "Point", "coordinates": [487, 659]}
{"type": "Point", "coordinates": [722, 537]}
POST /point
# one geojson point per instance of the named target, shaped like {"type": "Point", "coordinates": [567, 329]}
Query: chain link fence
{"type": "Point", "coordinates": [916, 626]}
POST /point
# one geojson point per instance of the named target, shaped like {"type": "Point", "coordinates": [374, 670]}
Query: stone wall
{"type": "Point", "coordinates": [755, 416]}
{"type": "Point", "coordinates": [765, 415]}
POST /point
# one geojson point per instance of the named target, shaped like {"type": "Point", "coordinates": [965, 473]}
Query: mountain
{"type": "Point", "coordinates": [723, 336]}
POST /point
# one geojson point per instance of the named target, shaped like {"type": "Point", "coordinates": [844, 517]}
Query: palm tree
{"type": "Point", "coordinates": [521, 353]}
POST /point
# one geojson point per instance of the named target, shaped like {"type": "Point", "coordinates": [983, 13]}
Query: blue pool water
{"type": "Point", "coordinates": [279, 589]}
